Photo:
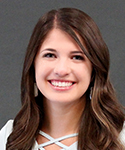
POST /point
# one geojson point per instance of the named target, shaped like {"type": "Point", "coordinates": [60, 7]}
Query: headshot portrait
{"type": "Point", "coordinates": [62, 83]}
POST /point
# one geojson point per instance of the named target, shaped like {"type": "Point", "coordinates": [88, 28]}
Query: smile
{"type": "Point", "coordinates": [61, 84]}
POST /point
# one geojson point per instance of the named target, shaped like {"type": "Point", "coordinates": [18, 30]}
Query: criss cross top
{"type": "Point", "coordinates": [55, 141]}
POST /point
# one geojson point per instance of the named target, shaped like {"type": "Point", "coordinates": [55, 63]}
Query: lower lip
{"type": "Point", "coordinates": [61, 88]}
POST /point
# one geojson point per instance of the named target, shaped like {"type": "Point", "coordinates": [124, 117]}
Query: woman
{"type": "Point", "coordinates": [67, 61]}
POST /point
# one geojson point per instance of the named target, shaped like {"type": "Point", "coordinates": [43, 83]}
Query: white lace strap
{"type": "Point", "coordinates": [55, 141]}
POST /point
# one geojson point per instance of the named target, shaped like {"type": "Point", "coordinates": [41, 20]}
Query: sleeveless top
{"type": "Point", "coordinates": [7, 129]}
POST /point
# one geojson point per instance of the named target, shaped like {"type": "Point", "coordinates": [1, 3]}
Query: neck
{"type": "Point", "coordinates": [62, 119]}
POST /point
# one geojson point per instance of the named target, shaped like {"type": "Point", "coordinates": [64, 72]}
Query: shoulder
{"type": "Point", "coordinates": [122, 135]}
{"type": "Point", "coordinates": [4, 133]}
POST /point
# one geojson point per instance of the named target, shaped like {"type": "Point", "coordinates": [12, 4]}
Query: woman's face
{"type": "Point", "coordinates": [62, 71]}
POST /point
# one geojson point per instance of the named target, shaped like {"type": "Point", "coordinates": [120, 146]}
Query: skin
{"type": "Point", "coordinates": [63, 74]}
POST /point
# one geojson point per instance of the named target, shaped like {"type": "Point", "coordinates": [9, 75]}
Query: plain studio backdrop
{"type": "Point", "coordinates": [17, 20]}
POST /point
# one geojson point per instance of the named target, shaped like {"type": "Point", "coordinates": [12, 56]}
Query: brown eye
{"type": "Point", "coordinates": [49, 55]}
{"type": "Point", "coordinates": [78, 57]}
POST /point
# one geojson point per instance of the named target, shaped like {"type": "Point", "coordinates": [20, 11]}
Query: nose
{"type": "Point", "coordinates": [62, 68]}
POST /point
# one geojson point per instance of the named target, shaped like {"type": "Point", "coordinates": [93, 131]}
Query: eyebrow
{"type": "Point", "coordinates": [49, 49]}
{"type": "Point", "coordinates": [72, 52]}
{"type": "Point", "coordinates": [77, 52]}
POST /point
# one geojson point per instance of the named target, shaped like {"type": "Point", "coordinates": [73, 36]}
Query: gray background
{"type": "Point", "coordinates": [17, 20]}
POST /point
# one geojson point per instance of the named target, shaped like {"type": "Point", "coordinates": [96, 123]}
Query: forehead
{"type": "Point", "coordinates": [56, 34]}
{"type": "Point", "coordinates": [59, 39]}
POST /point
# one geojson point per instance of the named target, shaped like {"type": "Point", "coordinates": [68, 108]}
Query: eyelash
{"type": "Point", "coordinates": [75, 57]}
{"type": "Point", "coordinates": [49, 55]}
{"type": "Point", "coordinates": [78, 57]}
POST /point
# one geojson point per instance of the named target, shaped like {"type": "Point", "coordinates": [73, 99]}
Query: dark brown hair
{"type": "Point", "coordinates": [102, 119]}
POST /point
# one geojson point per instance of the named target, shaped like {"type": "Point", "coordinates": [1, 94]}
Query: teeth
{"type": "Point", "coordinates": [61, 84]}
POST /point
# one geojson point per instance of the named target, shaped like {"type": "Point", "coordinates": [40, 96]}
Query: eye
{"type": "Point", "coordinates": [49, 55]}
{"type": "Point", "coordinates": [78, 57]}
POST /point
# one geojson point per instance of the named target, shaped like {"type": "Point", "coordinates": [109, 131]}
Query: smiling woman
{"type": "Point", "coordinates": [75, 107]}
{"type": "Point", "coordinates": [62, 71]}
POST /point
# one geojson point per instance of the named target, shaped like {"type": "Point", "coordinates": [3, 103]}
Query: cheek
{"type": "Point", "coordinates": [85, 71]}
{"type": "Point", "coordinates": [89, 69]}
{"type": "Point", "coordinates": [85, 78]}
{"type": "Point", "coordinates": [42, 71]}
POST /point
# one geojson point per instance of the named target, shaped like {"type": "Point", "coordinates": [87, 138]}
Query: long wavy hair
{"type": "Point", "coordinates": [102, 120]}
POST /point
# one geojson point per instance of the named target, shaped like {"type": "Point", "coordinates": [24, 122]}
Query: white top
{"type": "Point", "coordinates": [7, 129]}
